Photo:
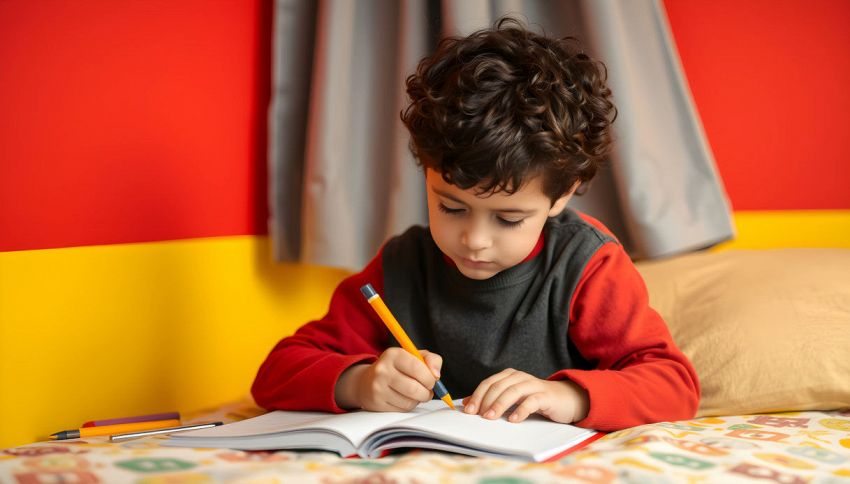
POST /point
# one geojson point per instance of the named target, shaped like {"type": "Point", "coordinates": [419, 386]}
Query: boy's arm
{"type": "Point", "coordinates": [640, 376]}
{"type": "Point", "coordinates": [302, 370]}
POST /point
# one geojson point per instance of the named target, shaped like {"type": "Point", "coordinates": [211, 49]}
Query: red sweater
{"type": "Point", "coordinates": [639, 376]}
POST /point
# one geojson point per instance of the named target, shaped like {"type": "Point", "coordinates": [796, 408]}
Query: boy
{"type": "Point", "coordinates": [527, 306]}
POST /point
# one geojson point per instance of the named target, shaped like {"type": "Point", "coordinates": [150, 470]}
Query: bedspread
{"type": "Point", "coordinates": [800, 447]}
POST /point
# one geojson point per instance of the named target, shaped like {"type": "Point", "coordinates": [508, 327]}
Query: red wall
{"type": "Point", "coordinates": [144, 120]}
{"type": "Point", "coordinates": [771, 80]}
{"type": "Point", "coordinates": [129, 121]}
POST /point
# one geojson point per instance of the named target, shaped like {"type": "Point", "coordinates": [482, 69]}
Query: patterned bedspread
{"type": "Point", "coordinates": [801, 447]}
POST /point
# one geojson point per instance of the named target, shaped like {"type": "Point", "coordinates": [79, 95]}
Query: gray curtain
{"type": "Point", "coordinates": [342, 179]}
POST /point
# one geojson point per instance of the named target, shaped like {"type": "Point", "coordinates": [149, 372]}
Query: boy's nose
{"type": "Point", "coordinates": [476, 238]}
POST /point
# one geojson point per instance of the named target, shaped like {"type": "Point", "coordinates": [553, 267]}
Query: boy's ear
{"type": "Point", "coordinates": [561, 203]}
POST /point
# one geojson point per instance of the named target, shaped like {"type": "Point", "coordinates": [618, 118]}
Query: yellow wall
{"type": "Point", "coordinates": [110, 331]}
{"type": "Point", "coordinates": [790, 228]}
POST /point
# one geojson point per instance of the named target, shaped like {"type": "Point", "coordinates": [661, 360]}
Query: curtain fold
{"type": "Point", "coordinates": [342, 179]}
{"type": "Point", "coordinates": [670, 190]}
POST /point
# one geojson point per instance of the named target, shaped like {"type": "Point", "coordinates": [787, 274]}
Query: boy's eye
{"type": "Point", "coordinates": [450, 211]}
{"type": "Point", "coordinates": [510, 223]}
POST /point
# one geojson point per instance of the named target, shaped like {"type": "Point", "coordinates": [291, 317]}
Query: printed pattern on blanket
{"type": "Point", "coordinates": [800, 447]}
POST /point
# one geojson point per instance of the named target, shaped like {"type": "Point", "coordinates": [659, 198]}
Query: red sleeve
{"type": "Point", "coordinates": [301, 372]}
{"type": "Point", "coordinates": [639, 374]}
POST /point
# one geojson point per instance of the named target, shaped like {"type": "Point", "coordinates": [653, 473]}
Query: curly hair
{"type": "Point", "coordinates": [502, 105]}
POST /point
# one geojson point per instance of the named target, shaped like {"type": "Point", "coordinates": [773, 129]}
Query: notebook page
{"type": "Point", "coordinates": [268, 423]}
{"type": "Point", "coordinates": [536, 436]}
{"type": "Point", "coordinates": [354, 426]}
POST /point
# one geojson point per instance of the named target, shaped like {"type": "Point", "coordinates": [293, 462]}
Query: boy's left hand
{"type": "Point", "coordinates": [561, 401]}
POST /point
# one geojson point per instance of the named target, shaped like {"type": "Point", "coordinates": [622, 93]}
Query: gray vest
{"type": "Point", "coordinates": [516, 319]}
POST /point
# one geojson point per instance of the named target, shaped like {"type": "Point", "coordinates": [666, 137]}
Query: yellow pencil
{"type": "Point", "coordinates": [398, 332]}
{"type": "Point", "coordinates": [114, 429]}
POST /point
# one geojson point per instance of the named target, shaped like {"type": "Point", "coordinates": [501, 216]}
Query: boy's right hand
{"type": "Point", "coordinates": [396, 382]}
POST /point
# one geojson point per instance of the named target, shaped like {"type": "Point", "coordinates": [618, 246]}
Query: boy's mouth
{"type": "Point", "coordinates": [474, 264]}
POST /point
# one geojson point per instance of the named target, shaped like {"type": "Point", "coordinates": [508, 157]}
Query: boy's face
{"type": "Point", "coordinates": [484, 235]}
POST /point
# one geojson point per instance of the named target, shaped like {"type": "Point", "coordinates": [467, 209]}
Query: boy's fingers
{"type": "Point", "coordinates": [434, 361]}
{"type": "Point", "coordinates": [469, 405]}
{"type": "Point", "coordinates": [399, 401]}
{"type": "Point", "coordinates": [412, 367]}
{"type": "Point", "coordinates": [410, 388]}
{"type": "Point", "coordinates": [405, 385]}
{"type": "Point", "coordinates": [515, 390]}
{"type": "Point", "coordinates": [497, 388]}
{"type": "Point", "coordinates": [531, 404]}
{"type": "Point", "coordinates": [473, 403]}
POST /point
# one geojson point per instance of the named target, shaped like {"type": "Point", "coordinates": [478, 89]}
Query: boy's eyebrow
{"type": "Point", "coordinates": [500, 210]}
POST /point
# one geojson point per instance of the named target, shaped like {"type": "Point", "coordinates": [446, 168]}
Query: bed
{"type": "Point", "coordinates": [791, 447]}
{"type": "Point", "coordinates": [768, 332]}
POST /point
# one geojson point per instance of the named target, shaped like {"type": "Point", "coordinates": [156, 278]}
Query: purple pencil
{"type": "Point", "coordinates": [140, 418]}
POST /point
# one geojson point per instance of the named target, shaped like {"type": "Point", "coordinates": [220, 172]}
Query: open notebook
{"type": "Point", "coordinates": [431, 425]}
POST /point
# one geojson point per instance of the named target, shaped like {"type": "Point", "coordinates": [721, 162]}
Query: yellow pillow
{"type": "Point", "coordinates": [766, 330]}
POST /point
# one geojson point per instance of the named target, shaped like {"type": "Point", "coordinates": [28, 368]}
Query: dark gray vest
{"type": "Point", "coordinates": [516, 319]}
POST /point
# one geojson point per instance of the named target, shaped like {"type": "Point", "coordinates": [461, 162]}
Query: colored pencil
{"type": "Point", "coordinates": [113, 429]}
{"type": "Point", "coordinates": [398, 332]}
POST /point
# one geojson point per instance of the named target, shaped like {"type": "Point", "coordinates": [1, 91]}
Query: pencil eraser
{"type": "Point", "coordinates": [368, 291]}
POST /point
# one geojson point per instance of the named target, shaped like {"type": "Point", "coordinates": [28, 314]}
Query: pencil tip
{"type": "Point", "coordinates": [448, 399]}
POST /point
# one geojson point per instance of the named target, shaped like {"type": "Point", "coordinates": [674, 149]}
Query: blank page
{"type": "Point", "coordinates": [536, 436]}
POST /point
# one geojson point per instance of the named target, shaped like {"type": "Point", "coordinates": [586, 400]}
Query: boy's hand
{"type": "Point", "coordinates": [560, 401]}
{"type": "Point", "coordinates": [396, 382]}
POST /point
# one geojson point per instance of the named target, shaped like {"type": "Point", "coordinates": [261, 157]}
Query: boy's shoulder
{"type": "Point", "coordinates": [575, 222]}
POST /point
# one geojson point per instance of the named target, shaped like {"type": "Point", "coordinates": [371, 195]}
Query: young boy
{"type": "Point", "coordinates": [525, 305]}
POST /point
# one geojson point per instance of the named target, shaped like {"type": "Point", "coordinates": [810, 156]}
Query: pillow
{"type": "Point", "coordinates": [766, 330]}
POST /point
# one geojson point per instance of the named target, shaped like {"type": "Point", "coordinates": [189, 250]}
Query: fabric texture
{"type": "Point", "coordinates": [799, 448]}
{"type": "Point", "coordinates": [767, 330]}
{"type": "Point", "coordinates": [669, 188]}
{"type": "Point", "coordinates": [637, 374]}
{"type": "Point", "coordinates": [343, 180]}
